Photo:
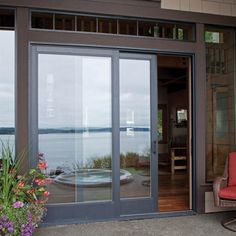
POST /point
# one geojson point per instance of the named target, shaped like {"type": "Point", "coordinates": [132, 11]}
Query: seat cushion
{"type": "Point", "coordinates": [232, 169]}
{"type": "Point", "coordinates": [228, 193]}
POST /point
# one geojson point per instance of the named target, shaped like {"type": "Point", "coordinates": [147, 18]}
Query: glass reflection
{"type": "Point", "coordinates": [75, 126]}
{"type": "Point", "coordinates": [220, 68]}
{"type": "Point", "coordinates": [135, 126]}
{"type": "Point", "coordinates": [7, 84]}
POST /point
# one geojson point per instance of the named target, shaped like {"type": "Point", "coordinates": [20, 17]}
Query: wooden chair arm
{"type": "Point", "coordinates": [219, 183]}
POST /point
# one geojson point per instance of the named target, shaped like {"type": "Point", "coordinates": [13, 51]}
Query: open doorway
{"type": "Point", "coordinates": [174, 132]}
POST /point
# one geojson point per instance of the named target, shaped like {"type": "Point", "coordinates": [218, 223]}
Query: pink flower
{"type": "Point", "coordinates": [21, 184]}
{"type": "Point", "coordinates": [40, 182]}
{"type": "Point", "coordinates": [46, 193]}
{"type": "Point", "coordinates": [39, 202]}
{"type": "Point", "coordinates": [30, 191]}
{"type": "Point", "coordinates": [43, 165]}
{"type": "Point", "coordinates": [18, 204]}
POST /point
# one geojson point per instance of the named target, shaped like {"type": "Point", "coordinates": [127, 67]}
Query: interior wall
{"type": "Point", "coordinates": [175, 100]}
{"type": "Point", "coordinates": [163, 99]}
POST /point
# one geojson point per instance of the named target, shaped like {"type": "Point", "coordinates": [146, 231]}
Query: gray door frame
{"type": "Point", "coordinates": [130, 206]}
{"type": "Point", "coordinates": [103, 209]}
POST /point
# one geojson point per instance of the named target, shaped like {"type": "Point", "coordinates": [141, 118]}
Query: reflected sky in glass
{"type": "Point", "coordinates": [7, 72]}
{"type": "Point", "coordinates": [75, 91]}
{"type": "Point", "coordinates": [135, 93]}
{"type": "Point", "coordinates": [71, 87]}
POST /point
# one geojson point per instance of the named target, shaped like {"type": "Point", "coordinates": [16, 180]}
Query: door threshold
{"type": "Point", "coordinates": [119, 218]}
{"type": "Point", "coordinates": [158, 215]}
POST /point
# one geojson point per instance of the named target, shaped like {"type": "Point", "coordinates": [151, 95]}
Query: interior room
{"type": "Point", "coordinates": [174, 128]}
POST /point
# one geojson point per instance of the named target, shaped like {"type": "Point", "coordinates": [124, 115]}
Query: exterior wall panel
{"type": "Point", "coordinates": [128, 8]}
{"type": "Point", "coordinates": [226, 8]}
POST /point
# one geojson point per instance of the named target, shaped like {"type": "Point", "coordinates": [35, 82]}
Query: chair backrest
{"type": "Point", "coordinates": [232, 169]}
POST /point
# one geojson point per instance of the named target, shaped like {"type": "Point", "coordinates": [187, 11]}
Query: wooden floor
{"type": "Point", "coordinates": [173, 191]}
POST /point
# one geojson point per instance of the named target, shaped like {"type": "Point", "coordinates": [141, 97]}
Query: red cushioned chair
{"type": "Point", "coordinates": [224, 189]}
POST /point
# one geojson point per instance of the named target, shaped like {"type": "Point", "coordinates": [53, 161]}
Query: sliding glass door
{"type": "Point", "coordinates": [92, 114]}
{"type": "Point", "coordinates": [137, 141]}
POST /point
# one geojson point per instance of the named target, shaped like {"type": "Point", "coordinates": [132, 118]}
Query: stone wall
{"type": "Point", "coordinates": [218, 7]}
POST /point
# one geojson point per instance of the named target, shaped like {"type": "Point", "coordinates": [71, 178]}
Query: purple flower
{"type": "Point", "coordinates": [18, 204]}
{"type": "Point", "coordinates": [10, 229]}
{"type": "Point", "coordinates": [28, 229]}
{"type": "Point", "coordinates": [4, 218]}
{"type": "Point", "coordinates": [6, 226]}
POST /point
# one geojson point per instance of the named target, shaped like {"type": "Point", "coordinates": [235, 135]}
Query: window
{"type": "Point", "coordinates": [216, 55]}
{"type": "Point", "coordinates": [214, 37]}
{"type": "Point", "coordinates": [86, 23]}
{"type": "Point", "coordinates": [7, 19]}
{"type": "Point", "coordinates": [181, 117]}
{"type": "Point", "coordinates": [112, 25]}
{"type": "Point", "coordinates": [220, 50]}
{"type": "Point", "coordinates": [42, 20]}
{"type": "Point", "coordinates": [75, 132]}
{"type": "Point", "coordinates": [7, 77]}
{"type": "Point", "coordinates": [128, 27]}
{"type": "Point", "coordinates": [64, 22]}
{"type": "Point", "coordinates": [106, 25]}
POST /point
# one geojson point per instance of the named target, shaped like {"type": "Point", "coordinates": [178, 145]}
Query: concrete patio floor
{"type": "Point", "coordinates": [196, 225]}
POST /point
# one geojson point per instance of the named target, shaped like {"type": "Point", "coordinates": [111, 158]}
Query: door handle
{"type": "Point", "coordinates": [154, 147]}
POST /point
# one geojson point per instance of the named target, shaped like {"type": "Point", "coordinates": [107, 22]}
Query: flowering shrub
{"type": "Point", "coordinates": [22, 197]}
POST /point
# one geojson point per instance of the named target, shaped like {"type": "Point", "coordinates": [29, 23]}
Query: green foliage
{"type": "Point", "coordinates": [130, 159]}
{"type": "Point", "coordinates": [208, 36]}
{"type": "Point", "coordinates": [134, 171]}
{"type": "Point", "coordinates": [102, 163]}
{"type": "Point", "coordinates": [180, 34]}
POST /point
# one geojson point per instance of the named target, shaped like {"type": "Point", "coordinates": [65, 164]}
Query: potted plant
{"type": "Point", "coordinates": [22, 197]}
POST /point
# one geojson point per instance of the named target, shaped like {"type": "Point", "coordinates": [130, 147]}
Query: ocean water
{"type": "Point", "coordinates": [68, 149]}
{"type": "Point", "coordinates": [65, 150]}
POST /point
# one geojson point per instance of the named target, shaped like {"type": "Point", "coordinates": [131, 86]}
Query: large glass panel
{"type": "Point", "coordinates": [220, 51]}
{"type": "Point", "coordinates": [75, 126]}
{"type": "Point", "coordinates": [7, 91]}
{"type": "Point", "coordinates": [135, 127]}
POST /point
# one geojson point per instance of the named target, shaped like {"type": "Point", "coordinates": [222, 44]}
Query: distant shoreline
{"type": "Point", "coordinates": [11, 131]}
